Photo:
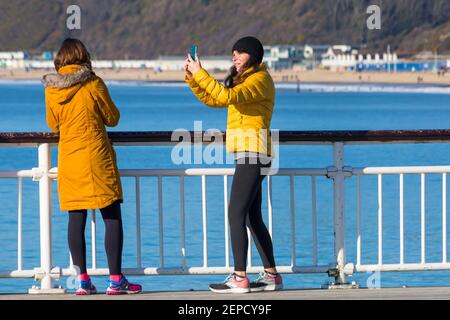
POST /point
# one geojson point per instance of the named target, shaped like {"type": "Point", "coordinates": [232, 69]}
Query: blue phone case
{"type": "Point", "coordinates": [193, 52]}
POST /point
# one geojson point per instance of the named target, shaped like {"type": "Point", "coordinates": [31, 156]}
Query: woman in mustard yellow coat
{"type": "Point", "coordinates": [249, 95]}
{"type": "Point", "coordinates": [78, 106]}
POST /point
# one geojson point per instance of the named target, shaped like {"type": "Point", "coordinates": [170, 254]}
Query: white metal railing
{"type": "Point", "coordinates": [46, 273]}
{"type": "Point", "coordinates": [337, 172]}
{"type": "Point", "coordinates": [401, 172]}
{"type": "Point", "coordinates": [205, 268]}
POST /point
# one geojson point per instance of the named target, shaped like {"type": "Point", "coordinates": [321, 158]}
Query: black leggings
{"type": "Point", "coordinates": [245, 210]}
{"type": "Point", "coordinates": [113, 237]}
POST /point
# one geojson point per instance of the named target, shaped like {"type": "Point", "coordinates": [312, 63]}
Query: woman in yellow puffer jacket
{"type": "Point", "coordinates": [78, 106]}
{"type": "Point", "coordinates": [249, 94]}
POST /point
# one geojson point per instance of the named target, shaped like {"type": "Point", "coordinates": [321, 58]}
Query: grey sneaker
{"type": "Point", "coordinates": [266, 282]}
{"type": "Point", "coordinates": [231, 285]}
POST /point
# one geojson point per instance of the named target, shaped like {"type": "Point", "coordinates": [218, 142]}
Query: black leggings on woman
{"type": "Point", "coordinates": [113, 237]}
{"type": "Point", "coordinates": [245, 210]}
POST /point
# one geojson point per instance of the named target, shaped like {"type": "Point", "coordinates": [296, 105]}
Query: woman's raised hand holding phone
{"type": "Point", "coordinates": [193, 64]}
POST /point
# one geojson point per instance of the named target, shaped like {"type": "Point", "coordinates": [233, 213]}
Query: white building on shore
{"type": "Point", "coordinates": [334, 58]}
{"type": "Point", "coordinates": [13, 59]}
{"type": "Point", "coordinates": [344, 58]}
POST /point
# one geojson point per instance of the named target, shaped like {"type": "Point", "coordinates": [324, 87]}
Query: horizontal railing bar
{"type": "Point", "coordinates": [16, 174]}
{"type": "Point", "coordinates": [201, 270]}
{"type": "Point", "coordinates": [296, 137]}
{"type": "Point", "coordinates": [275, 143]}
{"type": "Point", "coordinates": [402, 267]}
{"type": "Point", "coordinates": [226, 270]}
{"type": "Point", "coordinates": [230, 171]}
{"type": "Point", "coordinates": [401, 170]}
{"type": "Point", "coordinates": [171, 271]}
{"type": "Point", "coordinates": [18, 274]}
{"type": "Point", "coordinates": [174, 172]}
{"type": "Point", "coordinates": [217, 172]}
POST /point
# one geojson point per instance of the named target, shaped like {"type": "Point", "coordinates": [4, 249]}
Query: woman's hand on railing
{"type": "Point", "coordinates": [193, 66]}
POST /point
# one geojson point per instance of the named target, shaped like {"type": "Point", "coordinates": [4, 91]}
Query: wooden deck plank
{"type": "Point", "coordinates": [411, 293]}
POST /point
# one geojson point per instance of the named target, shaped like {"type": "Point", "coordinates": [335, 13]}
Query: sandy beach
{"type": "Point", "coordinates": [287, 76]}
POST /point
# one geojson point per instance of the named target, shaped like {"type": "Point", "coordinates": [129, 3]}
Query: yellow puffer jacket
{"type": "Point", "coordinates": [250, 107]}
{"type": "Point", "coordinates": [78, 105]}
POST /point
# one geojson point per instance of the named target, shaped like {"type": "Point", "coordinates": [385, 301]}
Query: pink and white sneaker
{"type": "Point", "coordinates": [267, 282]}
{"type": "Point", "coordinates": [232, 284]}
{"type": "Point", "coordinates": [86, 288]}
{"type": "Point", "coordinates": [122, 287]}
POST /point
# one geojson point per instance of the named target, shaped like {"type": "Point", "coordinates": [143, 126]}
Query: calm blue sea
{"type": "Point", "coordinates": [146, 107]}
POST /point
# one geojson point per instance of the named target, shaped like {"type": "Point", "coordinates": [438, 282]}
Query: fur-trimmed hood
{"type": "Point", "coordinates": [62, 81]}
{"type": "Point", "coordinates": [62, 86]}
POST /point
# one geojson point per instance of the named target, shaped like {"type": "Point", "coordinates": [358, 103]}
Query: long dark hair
{"type": "Point", "coordinates": [233, 76]}
{"type": "Point", "coordinates": [72, 51]}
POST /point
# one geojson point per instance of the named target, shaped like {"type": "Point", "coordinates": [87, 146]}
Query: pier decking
{"type": "Point", "coordinates": [411, 293]}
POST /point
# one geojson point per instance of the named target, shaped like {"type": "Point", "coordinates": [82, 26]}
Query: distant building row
{"type": "Point", "coordinates": [277, 57]}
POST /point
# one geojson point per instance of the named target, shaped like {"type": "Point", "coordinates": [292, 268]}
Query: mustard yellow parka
{"type": "Point", "coordinates": [78, 106]}
{"type": "Point", "coordinates": [250, 106]}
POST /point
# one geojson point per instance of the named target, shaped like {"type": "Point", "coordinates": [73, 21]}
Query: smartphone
{"type": "Point", "coordinates": [193, 52]}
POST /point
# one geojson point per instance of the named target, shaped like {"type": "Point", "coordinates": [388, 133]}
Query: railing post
{"type": "Point", "coordinates": [44, 273]}
{"type": "Point", "coordinates": [339, 226]}
{"type": "Point", "coordinates": [338, 175]}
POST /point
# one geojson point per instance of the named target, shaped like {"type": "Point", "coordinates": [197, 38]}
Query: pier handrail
{"type": "Point", "coordinates": [285, 137]}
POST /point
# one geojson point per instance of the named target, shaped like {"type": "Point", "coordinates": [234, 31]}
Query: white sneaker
{"type": "Point", "coordinates": [232, 284]}
{"type": "Point", "coordinates": [267, 282]}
